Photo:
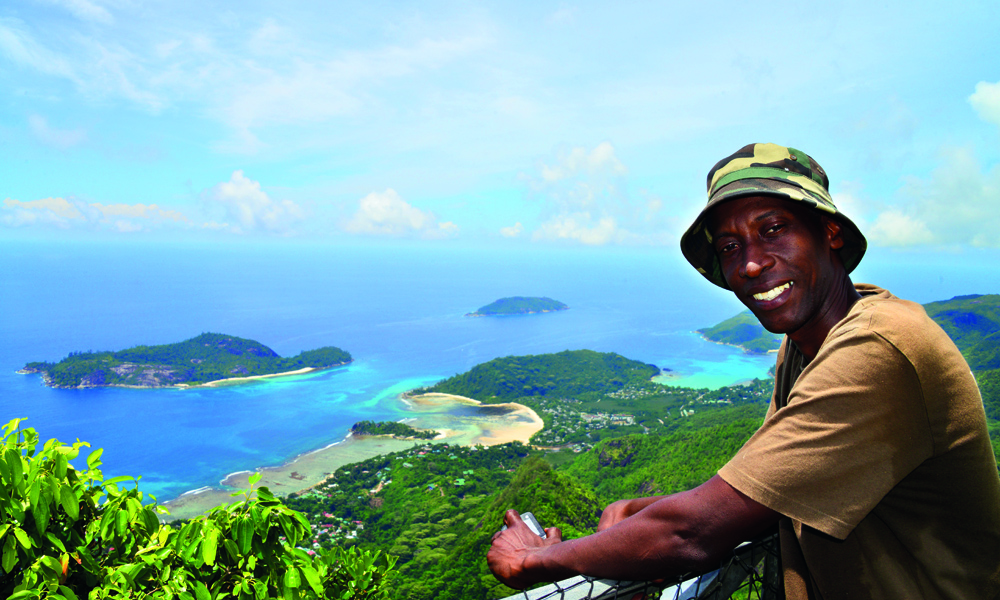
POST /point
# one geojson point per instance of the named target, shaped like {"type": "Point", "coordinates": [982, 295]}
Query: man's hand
{"type": "Point", "coordinates": [623, 509]}
{"type": "Point", "coordinates": [512, 547]}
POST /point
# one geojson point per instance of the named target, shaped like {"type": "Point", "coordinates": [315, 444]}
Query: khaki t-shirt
{"type": "Point", "coordinates": [877, 453]}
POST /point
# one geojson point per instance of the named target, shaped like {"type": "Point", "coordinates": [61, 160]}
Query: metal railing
{"type": "Point", "coordinates": [753, 571]}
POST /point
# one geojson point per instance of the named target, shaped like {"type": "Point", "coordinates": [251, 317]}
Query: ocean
{"type": "Point", "coordinates": [398, 309]}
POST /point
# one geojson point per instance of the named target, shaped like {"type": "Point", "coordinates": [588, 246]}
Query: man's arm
{"type": "Point", "coordinates": [671, 535]}
{"type": "Point", "coordinates": [623, 509]}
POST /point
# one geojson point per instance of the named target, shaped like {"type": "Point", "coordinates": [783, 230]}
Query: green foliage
{"type": "Point", "coordinates": [426, 506]}
{"type": "Point", "coordinates": [989, 387]}
{"type": "Point", "coordinates": [745, 331]}
{"type": "Point", "coordinates": [566, 374]}
{"type": "Point", "coordinates": [69, 534]}
{"type": "Point", "coordinates": [392, 428]}
{"type": "Point", "coordinates": [638, 465]}
{"type": "Point", "coordinates": [207, 357]}
{"type": "Point", "coordinates": [973, 322]}
{"type": "Point", "coordinates": [518, 305]}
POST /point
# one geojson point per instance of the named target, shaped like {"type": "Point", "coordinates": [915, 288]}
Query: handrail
{"type": "Point", "coordinates": [754, 566]}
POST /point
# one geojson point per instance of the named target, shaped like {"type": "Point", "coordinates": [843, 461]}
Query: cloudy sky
{"type": "Point", "coordinates": [576, 124]}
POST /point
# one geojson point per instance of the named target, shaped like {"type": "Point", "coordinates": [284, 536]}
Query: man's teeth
{"type": "Point", "coordinates": [772, 294]}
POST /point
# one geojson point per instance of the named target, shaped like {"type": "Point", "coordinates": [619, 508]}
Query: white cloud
{"type": "Point", "coordinates": [386, 213]}
{"type": "Point", "coordinates": [96, 68]}
{"type": "Point", "coordinates": [251, 208]}
{"type": "Point", "coordinates": [21, 48]}
{"type": "Point", "coordinates": [585, 199]}
{"type": "Point", "coordinates": [513, 231]}
{"type": "Point", "coordinates": [957, 205]}
{"type": "Point", "coordinates": [46, 211]}
{"type": "Point", "coordinates": [84, 10]}
{"type": "Point", "coordinates": [581, 227]}
{"type": "Point", "coordinates": [986, 101]}
{"type": "Point", "coordinates": [67, 213]}
{"type": "Point", "coordinates": [563, 15]}
{"type": "Point", "coordinates": [894, 228]}
{"type": "Point", "coordinates": [283, 87]}
{"type": "Point", "coordinates": [139, 211]}
{"type": "Point", "coordinates": [50, 136]}
{"type": "Point", "coordinates": [600, 160]}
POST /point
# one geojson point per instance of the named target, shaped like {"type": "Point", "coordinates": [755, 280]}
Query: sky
{"type": "Point", "coordinates": [508, 124]}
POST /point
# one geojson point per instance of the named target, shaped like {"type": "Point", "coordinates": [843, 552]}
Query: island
{"type": "Point", "coordinates": [393, 428]}
{"type": "Point", "coordinates": [518, 305]}
{"type": "Point", "coordinates": [203, 360]}
{"type": "Point", "coordinates": [743, 331]}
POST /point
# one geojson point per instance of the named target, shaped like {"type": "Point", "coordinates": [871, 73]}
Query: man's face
{"type": "Point", "coordinates": [778, 257]}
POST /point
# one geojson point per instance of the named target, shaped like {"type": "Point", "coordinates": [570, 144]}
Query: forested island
{"type": "Point", "coordinates": [206, 358]}
{"type": "Point", "coordinates": [743, 331]}
{"type": "Point", "coordinates": [518, 305]}
{"type": "Point", "coordinates": [393, 428]}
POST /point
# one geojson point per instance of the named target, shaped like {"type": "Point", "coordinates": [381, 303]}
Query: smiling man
{"type": "Point", "coordinates": [874, 457]}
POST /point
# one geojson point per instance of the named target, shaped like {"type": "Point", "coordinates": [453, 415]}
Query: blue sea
{"type": "Point", "coordinates": [397, 308]}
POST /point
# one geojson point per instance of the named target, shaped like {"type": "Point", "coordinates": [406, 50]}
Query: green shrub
{"type": "Point", "coordinates": [72, 534]}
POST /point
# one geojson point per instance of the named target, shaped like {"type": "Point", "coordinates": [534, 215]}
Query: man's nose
{"type": "Point", "coordinates": [755, 263]}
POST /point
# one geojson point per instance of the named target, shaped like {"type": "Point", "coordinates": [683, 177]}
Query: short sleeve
{"type": "Point", "coordinates": [855, 424]}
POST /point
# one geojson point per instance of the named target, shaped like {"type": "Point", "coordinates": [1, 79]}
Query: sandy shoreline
{"type": "Point", "coordinates": [459, 420]}
{"type": "Point", "coordinates": [527, 422]}
{"type": "Point", "coordinates": [183, 386]}
{"type": "Point", "coordinates": [237, 380]}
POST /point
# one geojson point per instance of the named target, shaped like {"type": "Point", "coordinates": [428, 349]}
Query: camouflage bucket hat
{"type": "Point", "coordinates": [770, 170]}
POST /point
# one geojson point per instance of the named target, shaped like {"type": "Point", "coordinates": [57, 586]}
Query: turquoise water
{"type": "Point", "coordinates": [398, 310]}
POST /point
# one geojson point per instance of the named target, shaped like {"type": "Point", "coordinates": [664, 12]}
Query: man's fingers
{"type": "Point", "coordinates": [553, 534]}
{"type": "Point", "coordinates": [511, 517]}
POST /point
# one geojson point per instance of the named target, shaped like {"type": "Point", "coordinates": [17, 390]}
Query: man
{"type": "Point", "coordinates": [874, 457]}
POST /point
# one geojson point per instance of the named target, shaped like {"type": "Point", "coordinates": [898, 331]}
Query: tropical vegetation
{"type": "Point", "coordinates": [743, 330]}
{"type": "Point", "coordinates": [72, 534]}
{"type": "Point", "coordinates": [518, 305]}
{"type": "Point", "coordinates": [393, 428]}
{"type": "Point", "coordinates": [207, 357]}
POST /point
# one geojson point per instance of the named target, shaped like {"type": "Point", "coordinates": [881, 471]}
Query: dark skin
{"type": "Point", "coordinates": [780, 259]}
{"type": "Point", "coordinates": [764, 243]}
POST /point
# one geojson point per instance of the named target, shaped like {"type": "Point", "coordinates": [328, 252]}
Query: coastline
{"type": "Point", "coordinates": [457, 419]}
{"type": "Point", "coordinates": [743, 348]}
{"type": "Point", "coordinates": [514, 314]}
{"type": "Point", "coordinates": [46, 380]}
{"type": "Point", "coordinates": [527, 422]}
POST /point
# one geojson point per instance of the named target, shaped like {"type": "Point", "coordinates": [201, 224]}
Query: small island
{"type": "Point", "coordinates": [396, 430]}
{"type": "Point", "coordinates": [205, 359]}
{"type": "Point", "coordinates": [743, 331]}
{"type": "Point", "coordinates": [518, 305]}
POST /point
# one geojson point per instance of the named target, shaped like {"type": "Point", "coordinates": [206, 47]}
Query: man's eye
{"type": "Point", "coordinates": [726, 248]}
{"type": "Point", "coordinates": [775, 228]}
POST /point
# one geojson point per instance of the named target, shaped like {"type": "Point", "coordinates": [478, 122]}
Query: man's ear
{"type": "Point", "coordinates": [833, 229]}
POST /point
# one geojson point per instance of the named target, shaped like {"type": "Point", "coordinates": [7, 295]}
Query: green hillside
{"type": "Point", "coordinates": [518, 305]}
{"type": "Point", "coordinates": [568, 373]}
{"type": "Point", "coordinates": [207, 357]}
{"type": "Point", "coordinates": [745, 331]}
{"type": "Point", "coordinates": [974, 323]}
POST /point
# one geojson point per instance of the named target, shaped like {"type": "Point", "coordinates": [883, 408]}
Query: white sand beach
{"type": "Point", "coordinates": [477, 423]}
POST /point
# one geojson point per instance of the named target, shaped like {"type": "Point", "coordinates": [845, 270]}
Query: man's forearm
{"type": "Point", "coordinates": [653, 543]}
{"type": "Point", "coordinates": [670, 536]}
